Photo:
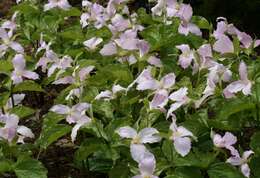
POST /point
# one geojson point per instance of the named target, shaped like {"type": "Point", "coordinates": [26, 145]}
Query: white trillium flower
{"type": "Point", "coordinates": [146, 167]}
{"type": "Point", "coordinates": [62, 4]}
{"type": "Point", "coordinates": [186, 57]}
{"type": "Point", "coordinates": [19, 70]}
{"type": "Point", "coordinates": [75, 114]}
{"type": "Point", "coordinates": [181, 138]}
{"type": "Point", "coordinates": [8, 43]}
{"type": "Point", "coordinates": [236, 160]}
{"type": "Point", "coordinates": [244, 84]}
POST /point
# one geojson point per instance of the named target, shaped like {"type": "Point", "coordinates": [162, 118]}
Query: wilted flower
{"type": "Point", "coordinates": [236, 160]}
{"type": "Point", "coordinates": [62, 4]}
{"type": "Point", "coordinates": [243, 84]}
{"type": "Point", "coordinates": [20, 71]}
{"type": "Point", "coordinates": [8, 43]}
{"type": "Point", "coordinates": [75, 114]}
{"type": "Point", "coordinates": [181, 138]}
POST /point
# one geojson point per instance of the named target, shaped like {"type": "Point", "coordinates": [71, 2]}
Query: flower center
{"type": "Point", "coordinates": [136, 140]}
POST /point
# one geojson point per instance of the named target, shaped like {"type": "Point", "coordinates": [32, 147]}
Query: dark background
{"type": "Point", "coordinates": [245, 14]}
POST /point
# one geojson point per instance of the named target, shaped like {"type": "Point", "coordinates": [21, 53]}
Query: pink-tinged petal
{"type": "Point", "coordinates": [64, 4]}
{"type": "Point", "coordinates": [247, 88]}
{"type": "Point", "coordinates": [158, 8]}
{"type": "Point", "coordinates": [30, 75]}
{"type": "Point", "coordinates": [138, 176]}
{"type": "Point", "coordinates": [245, 39]}
{"type": "Point", "coordinates": [228, 94]}
{"type": "Point", "coordinates": [143, 47]}
{"type": "Point", "coordinates": [154, 61]}
{"type": "Point", "coordinates": [227, 76]}
{"type": "Point", "coordinates": [168, 80]}
{"type": "Point", "coordinates": [147, 85]}
{"type": "Point", "coordinates": [49, 5]}
{"type": "Point", "coordinates": [173, 108]}
{"type": "Point", "coordinates": [52, 69]}
{"type": "Point", "coordinates": [3, 34]}
{"type": "Point", "coordinates": [16, 78]}
{"type": "Point", "coordinates": [257, 43]}
{"type": "Point", "coordinates": [233, 151]}
{"type": "Point", "coordinates": [183, 29]}
{"type": "Point", "coordinates": [245, 170]}
{"type": "Point", "coordinates": [126, 132]}
{"type": "Point", "coordinates": [138, 152]}
{"type": "Point", "coordinates": [221, 29]}
{"type": "Point", "coordinates": [243, 71]}
{"type": "Point", "coordinates": [235, 161]}
{"type": "Point", "coordinates": [205, 50]}
{"type": "Point", "coordinates": [147, 165]}
{"type": "Point", "coordinates": [127, 44]}
{"type": "Point", "coordinates": [218, 141]}
{"type": "Point", "coordinates": [182, 145]}
{"type": "Point", "coordinates": [84, 121]}
{"type": "Point", "coordinates": [104, 95]}
{"type": "Point", "coordinates": [235, 87]}
{"type": "Point", "coordinates": [194, 29]}
{"type": "Point", "coordinates": [172, 8]}
{"type": "Point", "coordinates": [19, 62]}
{"type": "Point", "coordinates": [120, 23]}
{"type": "Point", "coordinates": [64, 80]}
{"type": "Point", "coordinates": [85, 71]}
{"type": "Point", "coordinates": [60, 109]}
{"type": "Point", "coordinates": [160, 99]}
{"type": "Point", "coordinates": [108, 49]}
{"type": "Point", "coordinates": [17, 47]}
{"type": "Point", "coordinates": [223, 45]}
{"type": "Point", "coordinates": [247, 154]}
{"type": "Point", "coordinates": [65, 62]}
{"type": "Point", "coordinates": [229, 139]}
{"type": "Point", "coordinates": [179, 95]}
{"type": "Point", "coordinates": [131, 59]}
{"type": "Point", "coordinates": [149, 135]}
{"type": "Point", "coordinates": [92, 43]}
{"type": "Point", "coordinates": [185, 12]}
{"type": "Point", "coordinates": [81, 107]}
{"type": "Point", "coordinates": [184, 132]}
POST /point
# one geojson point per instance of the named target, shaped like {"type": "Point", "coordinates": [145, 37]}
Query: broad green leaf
{"type": "Point", "coordinates": [255, 143]}
{"type": "Point", "coordinates": [29, 168]}
{"type": "Point", "coordinates": [4, 98]}
{"type": "Point", "coordinates": [201, 22]}
{"type": "Point", "coordinates": [5, 66]}
{"type": "Point", "coordinates": [186, 172]}
{"type": "Point", "coordinates": [121, 170]}
{"type": "Point", "coordinates": [27, 85]}
{"type": "Point", "coordinates": [224, 170]}
{"type": "Point", "coordinates": [5, 166]}
{"type": "Point", "coordinates": [22, 111]}
{"type": "Point", "coordinates": [51, 130]}
{"type": "Point", "coordinates": [254, 166]}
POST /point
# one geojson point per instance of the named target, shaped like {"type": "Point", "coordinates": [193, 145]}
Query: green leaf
{"type": "Point", "coordinates": [104, 107]}
{"type": "Point", "coordinates": [201, 22]}
{"type": "Point", "coordinates": [27, 167]}
{"type": "Point", "coordinates": [5, 66]}
{"type": "Point", "coordinates": [22, 111]}
{"type": "Point", "coordinates": [224, 170]}
{"type": "Point", "coordinates": [186, 172]}
{"type": "Point", "coordinates": [5, 166]}
{"type": "Point", "coordinates": [255, 143]}
{"type": "Point", "coordinates": [51, 130]}
{"type": "Point", "coordinates": [4, 98]}
{"type": "Point", "coordinates": [121, 170]}
{"type": "Point", "coordinates": [254, 166]}
{"type": "Point", "coordinates": [27, 85]}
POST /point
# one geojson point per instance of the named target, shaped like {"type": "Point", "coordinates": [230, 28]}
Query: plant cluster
{"type": "Point", "coordinates": [138, 94]}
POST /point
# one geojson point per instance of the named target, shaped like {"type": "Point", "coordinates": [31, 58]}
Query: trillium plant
{"type": "Point", "coordinates": [121, 92]}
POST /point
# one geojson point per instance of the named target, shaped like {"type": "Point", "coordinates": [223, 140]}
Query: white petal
{"type": "Point", "coordinates": [184, 132]}
{"type": "Point", "coordinates": [60, 109]}
{"type": "Point", "coordinates": [245, 170]}
{"type": "Point", "coordinates": [182, 145]}
{"type": "Point", "coordinates": [147, 165]}
{"type": "Point", "coordinates": [126, 132]}
{"type": "Point", "coordinates": [138, 152]}
{"type": "Point", "coordinates": [25, 131]}
{"type": "Point", "coordinates": [149, 135]}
